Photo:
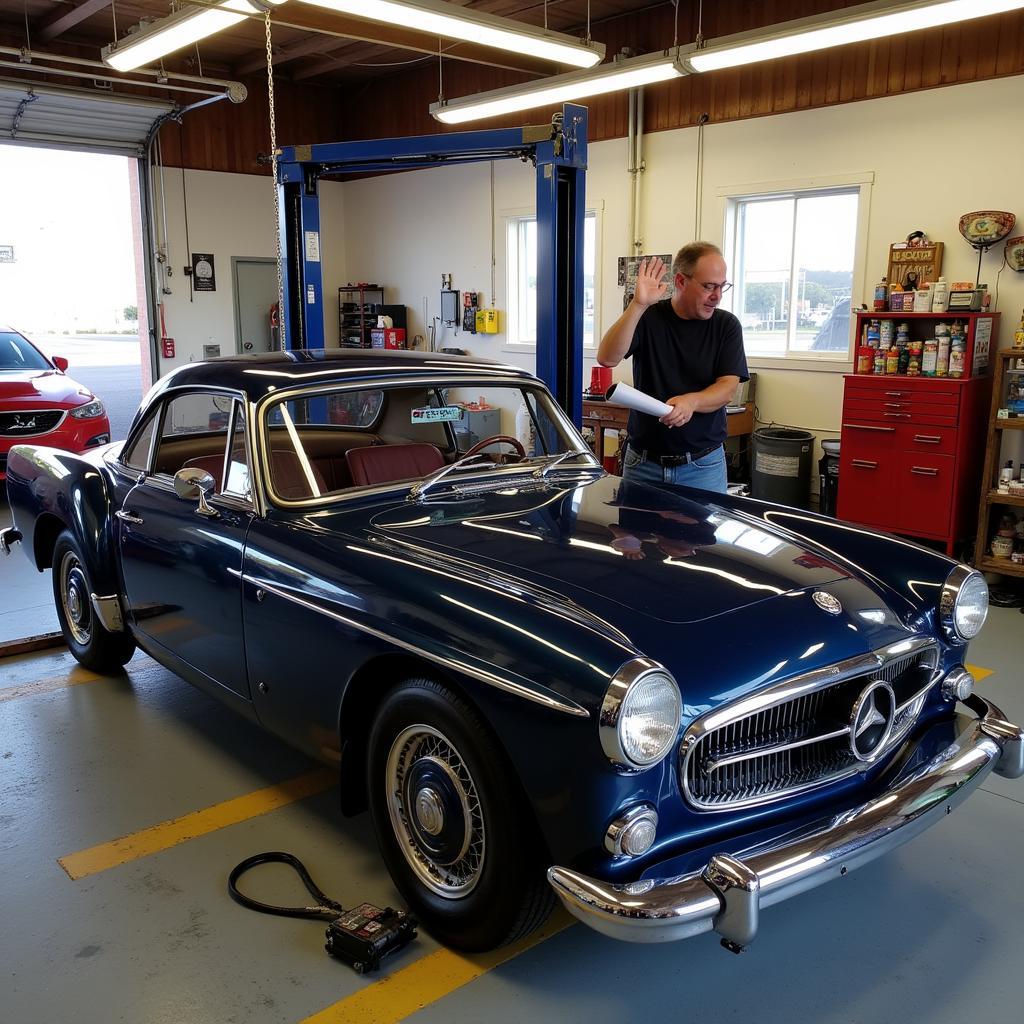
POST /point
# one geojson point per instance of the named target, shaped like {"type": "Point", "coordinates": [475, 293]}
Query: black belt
{"type": "Point", "coordinates": [669, 461]}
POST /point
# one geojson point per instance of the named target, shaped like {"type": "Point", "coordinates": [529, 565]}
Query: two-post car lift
{"type": "Point", "coordinates": [559, 154]}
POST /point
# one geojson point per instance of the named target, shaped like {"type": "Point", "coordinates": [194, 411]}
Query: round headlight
{"type": "Point", "coordinates": [640, 715]}
{"type": "Point", "coordinates": [963, 606]}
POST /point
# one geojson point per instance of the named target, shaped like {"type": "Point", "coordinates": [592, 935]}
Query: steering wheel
{"type": "Point", "coordinates": [497, 439]}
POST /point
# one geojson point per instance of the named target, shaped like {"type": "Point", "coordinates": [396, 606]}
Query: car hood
{"type": "Point", "coordinates": [40, 387]}
{"type": "Point", "coordinates": [675, 556]}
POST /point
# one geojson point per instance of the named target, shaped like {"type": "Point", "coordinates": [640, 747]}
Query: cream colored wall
{"type": "Point", "coordinates": [231, 215]}
{"type": "Point", "coordinates": [933, 156]}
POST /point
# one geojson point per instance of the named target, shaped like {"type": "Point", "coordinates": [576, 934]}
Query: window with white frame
{"type": "Point", "coordinates": [794, 258]}
{"type": "Point", "coordinates": [521, 262]}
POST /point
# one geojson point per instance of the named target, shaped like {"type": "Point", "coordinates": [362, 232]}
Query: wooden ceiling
{"type": "Point", "coordinates": [311, 45]}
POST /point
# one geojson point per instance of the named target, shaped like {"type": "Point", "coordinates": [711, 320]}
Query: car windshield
{"type": "Point", "coordinates": [16, 353]}
{"type": "Point", "coordinates": [335, 440]}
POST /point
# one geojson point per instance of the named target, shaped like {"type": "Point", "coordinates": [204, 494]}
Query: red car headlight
{"type": "Point", "coordinates": [89, 411]}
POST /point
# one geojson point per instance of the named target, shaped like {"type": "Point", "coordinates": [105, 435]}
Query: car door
{"type": "Point", "coordinates": [181, 563]}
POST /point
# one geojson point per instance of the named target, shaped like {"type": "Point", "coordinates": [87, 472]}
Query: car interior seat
{"type": "Point", "coordinates": [212, 464]}
{"type": "Point", "coordinates": [289, 478]}
{"type": "Point", "coordinates": [384, 463]}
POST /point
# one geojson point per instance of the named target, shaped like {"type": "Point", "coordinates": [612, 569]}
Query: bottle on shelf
{"type": "Point", "coordinates": [892, 361]}
{"type": "Point", "coordinates": [942, 345]}
{"type": "Point", "coordinates": [929, 358]}
{"type": "Point", "coordinates": [923, 299]}
{"type": "Point", "coordinates": [1018, 335]}
{"type": "Point", "coordinates": [1005, 476]}
{"type": "Point", "coordinates": [881, 303]}
{"type": "Point", "coordinates": [940, 296]}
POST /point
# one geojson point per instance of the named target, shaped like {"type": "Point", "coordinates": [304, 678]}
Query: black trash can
{"type": "Point", "coordinates": [782, 466]}
{"type": "Point", "coordinates": [828, 478]}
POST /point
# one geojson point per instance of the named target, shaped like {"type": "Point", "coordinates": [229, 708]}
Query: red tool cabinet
{"type": "Point", "coordinates": [911, 454]}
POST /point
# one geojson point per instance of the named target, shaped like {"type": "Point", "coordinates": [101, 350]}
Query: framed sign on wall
{"type": "Point", "coordinates": [923, 262]}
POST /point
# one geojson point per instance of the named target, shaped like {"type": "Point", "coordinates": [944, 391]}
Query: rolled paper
{"type": "Point", "coordinates": [628, 396]}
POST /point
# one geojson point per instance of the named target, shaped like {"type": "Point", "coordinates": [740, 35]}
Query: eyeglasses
{"type": "Point", "coordinates": [710, 286]}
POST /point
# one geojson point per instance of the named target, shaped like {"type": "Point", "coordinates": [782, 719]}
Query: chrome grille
{"type": "Point", "coordinates": [29, 422]}
{"type": "Point", "coordinates": [800, 739]}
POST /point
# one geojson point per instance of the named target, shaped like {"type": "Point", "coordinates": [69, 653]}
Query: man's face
{"type": "Point", "coordinates": [701, 292]}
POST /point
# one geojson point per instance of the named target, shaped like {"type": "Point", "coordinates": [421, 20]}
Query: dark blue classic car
{"type": "Point", "coordinates": [669, 708]}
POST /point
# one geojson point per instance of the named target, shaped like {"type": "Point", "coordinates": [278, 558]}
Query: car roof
{"type": "Point", "coordinates": [260, 374]}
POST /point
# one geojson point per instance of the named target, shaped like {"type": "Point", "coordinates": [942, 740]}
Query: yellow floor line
{"type": "Point", "coordinates": [435, 976]}
{"type": "Point", "coordinates": [74, 676]}
{"type": "Point", "coordinates": [978, 672]}
{"type": "Point", "coordinates": [198, 823]}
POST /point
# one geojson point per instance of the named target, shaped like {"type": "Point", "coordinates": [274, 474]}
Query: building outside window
{"type": "Point", "coordinates": [793, 258]}
{"type": "Point", "coordinates": [521, 262]}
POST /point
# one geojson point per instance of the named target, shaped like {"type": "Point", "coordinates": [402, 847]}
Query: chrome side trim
{"type": "Point", "coordinates": [792, 689]}
{"type": "Point", "coordinates": [108, 611]}
{"type": "Point", "coordinates": [529, 690]}
{"type": "Point", "coordinates": [666, 909]}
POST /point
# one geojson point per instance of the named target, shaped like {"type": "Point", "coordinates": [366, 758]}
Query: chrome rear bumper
{"type": "Point", "coordinates": [729, 891]}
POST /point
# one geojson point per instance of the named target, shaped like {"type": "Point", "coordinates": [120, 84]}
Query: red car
{"type": "Point", "coordinates": [39, 404]}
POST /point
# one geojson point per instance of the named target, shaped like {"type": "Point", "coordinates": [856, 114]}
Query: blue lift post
{"type": "Point", "coordinates": [558, 152]}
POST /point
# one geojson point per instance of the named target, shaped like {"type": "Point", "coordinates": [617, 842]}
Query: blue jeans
{"type": "Point", "coordinates": [708, 473]}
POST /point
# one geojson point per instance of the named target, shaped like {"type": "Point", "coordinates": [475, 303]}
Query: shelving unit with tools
{"type": "Point", "coordinates": [357, 313]}
{"type": "Point", "coordinates": [1008, 366]}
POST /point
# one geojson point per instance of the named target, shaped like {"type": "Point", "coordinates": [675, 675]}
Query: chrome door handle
{"type": "Point", "coordinates": [127, 517]}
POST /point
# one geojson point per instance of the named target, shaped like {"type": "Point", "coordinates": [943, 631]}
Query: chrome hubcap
{"type": "Point", "coordinates": [435, 811]}
{"type": "Point", "coordinates": [429, 812]}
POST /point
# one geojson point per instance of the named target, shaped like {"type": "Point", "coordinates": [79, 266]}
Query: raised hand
{"type": "Point", "coordinates": [649, 284]}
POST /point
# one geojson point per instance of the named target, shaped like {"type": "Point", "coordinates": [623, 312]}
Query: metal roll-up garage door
{"type": "Point", "coordinates": [46, 115]}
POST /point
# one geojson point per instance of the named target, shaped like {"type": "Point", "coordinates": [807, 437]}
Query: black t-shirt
{"type": "Point", "coordinates": [672, 356]}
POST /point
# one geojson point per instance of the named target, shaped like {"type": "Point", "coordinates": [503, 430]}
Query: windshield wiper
{"type": "Point", "coordinates": [552, 461]}
{"type": "Point", "coordinates": [418, 490]}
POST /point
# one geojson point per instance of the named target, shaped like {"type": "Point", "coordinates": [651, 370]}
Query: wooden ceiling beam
{"type": "Point", "coordinates": [61, 20]}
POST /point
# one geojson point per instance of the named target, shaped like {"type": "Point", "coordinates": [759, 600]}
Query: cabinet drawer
{"type": "Point", "coordinates": [944, 390]}
{"type": "Point", "coordinates": [923, 492]}
{"type": "Point", "coordinates": [922, 438]}
{"type": "Point", "coordinates": [899, 412]}
{"type": "Point", "coordinates": [865, 475]}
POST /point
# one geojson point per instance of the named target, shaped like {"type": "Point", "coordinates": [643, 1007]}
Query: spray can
{"type": "Point", "coordinates": [874, 334]}
{"type": "Point", "coordinates": [881, 296]}
{"type": "Point", "coordinates": [929, 358]}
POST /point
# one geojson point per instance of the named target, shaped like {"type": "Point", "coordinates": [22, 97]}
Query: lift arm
{"type": "Point", "coordinates": [558, 152]}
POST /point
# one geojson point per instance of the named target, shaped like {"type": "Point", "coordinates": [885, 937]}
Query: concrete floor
{"type": "Point", "coordinates": [932, 933]}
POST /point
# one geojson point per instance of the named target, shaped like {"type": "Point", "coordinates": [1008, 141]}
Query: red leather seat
{"type": "Point", "coordinates": [380, 464]}
{"type": "Point", "coordinates": [289, 478]}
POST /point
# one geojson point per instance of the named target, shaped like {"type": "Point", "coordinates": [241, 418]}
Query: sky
{"type": "Point", "coordinates": [68, 216]}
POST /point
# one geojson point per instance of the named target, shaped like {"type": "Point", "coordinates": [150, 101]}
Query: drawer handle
{"type": "Point", "coordinates": [905, 415]}
{"type": "Point", "coordinates": [865, 464]}
{"type": "Point", "coordinates": [895, 394]}
{"type": "Point", "coordinates": [864, 426]}
{"type": "Point", "coordinates": [895, 405]}
{"type": "Point", "coordinates": [924, 471]}
{"type": "Point", "coordinates": [927, 439]}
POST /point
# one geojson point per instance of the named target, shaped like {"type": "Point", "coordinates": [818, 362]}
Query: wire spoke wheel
{"type": "Point", "coordinates": [74, 597]}
{"type": "Point", "coordinates": [435, 811]}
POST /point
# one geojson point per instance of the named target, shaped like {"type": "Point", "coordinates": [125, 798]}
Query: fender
{"type": "Point", "coordinates": [47, 484]}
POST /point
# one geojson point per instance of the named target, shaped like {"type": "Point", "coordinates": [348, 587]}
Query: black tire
{"type": "Point", "coordinates": [465, 856]}
{"type": "Point", "coordinates": [92, 645]}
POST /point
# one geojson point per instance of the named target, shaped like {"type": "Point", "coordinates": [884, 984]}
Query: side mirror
{"type": "Point", "coordinates": [192, 483]}
{"type": "Point", "coordinates": [60, 362]}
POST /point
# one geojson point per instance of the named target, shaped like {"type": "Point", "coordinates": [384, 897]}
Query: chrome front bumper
{"type": "Point", "coordinates": [728, 893]}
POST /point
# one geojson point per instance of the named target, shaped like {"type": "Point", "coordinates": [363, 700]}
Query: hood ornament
{"type": "Point", "coordinates": [826, 602]}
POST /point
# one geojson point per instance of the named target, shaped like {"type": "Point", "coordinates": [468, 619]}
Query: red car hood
{"type": "Point", "coordinates": [37, 388]}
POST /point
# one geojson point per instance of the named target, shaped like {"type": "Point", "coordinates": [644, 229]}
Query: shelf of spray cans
{"type": "Point", "coordinates": [945, 345]}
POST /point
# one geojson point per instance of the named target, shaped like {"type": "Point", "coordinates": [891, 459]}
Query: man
{"type": "Point", "coordinates": [688, 353]}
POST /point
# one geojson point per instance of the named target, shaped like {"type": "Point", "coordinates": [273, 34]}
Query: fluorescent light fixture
{"type": "Point", "coordinates": [177, 30]}
{"type": "Point", "coordinates": [443, 19]}
{"type": "Point", "coordinates": [575, 85]}
{"type": "Point", "coordinates": [852, 25]}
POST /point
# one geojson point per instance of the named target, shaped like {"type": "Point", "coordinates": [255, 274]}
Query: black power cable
{"type": "Point", "coordinates": [361, 937]}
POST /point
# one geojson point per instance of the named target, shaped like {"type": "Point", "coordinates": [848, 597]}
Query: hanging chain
{"type": "Point", "coordinates": [273, 179]}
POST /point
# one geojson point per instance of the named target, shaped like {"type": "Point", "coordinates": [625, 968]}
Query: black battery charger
{"type": "Point", "coordinates": [360, 937]}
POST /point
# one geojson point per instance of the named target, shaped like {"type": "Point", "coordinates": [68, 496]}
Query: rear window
{"type": "Point", "coordinates": [16, 353]}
